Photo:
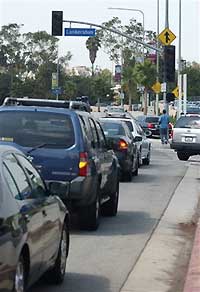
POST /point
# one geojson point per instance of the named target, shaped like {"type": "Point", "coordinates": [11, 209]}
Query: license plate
{"type": "Point", "coordinates": [188, 139]}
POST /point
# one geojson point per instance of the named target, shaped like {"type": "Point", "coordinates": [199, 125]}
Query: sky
{"type": "Point", "coordinates": [35, 15]}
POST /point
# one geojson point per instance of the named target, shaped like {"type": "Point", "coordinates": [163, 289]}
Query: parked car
{"type": "Point", "coordinates": [34, 225]}
{"type": "Point", "coordinates": [152, 124]}
{"type": "Point", "coordinates": [67, 146]}
{"type": "Point", "coordinates": [186, 136]}
{"type": "Point", "coordinates": [143, 144]}
{"type": "Point", "coordinates": [123, 143]}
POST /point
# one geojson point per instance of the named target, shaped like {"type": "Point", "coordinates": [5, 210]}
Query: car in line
{"type": "Point", "coordinates": [121, 140]}
{"type": "Point", "coordinates": [34, 225]}
{"type": "Point", "coordinates": [70, 147]}
{"type": "Point", "coordinates": [151, 123]}
{"type": "Point", "coordinates": [186, 136]}
{"type": "Point", "coordinates": [143, 144]}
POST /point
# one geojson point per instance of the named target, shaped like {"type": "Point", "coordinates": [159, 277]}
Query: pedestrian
{"type": "Point", "coordinates": [164, 124]}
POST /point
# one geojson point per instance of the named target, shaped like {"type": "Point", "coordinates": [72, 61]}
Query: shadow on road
{"type": "Point", "coordinates": [125, 223]}
{"type": "Point", "coordinates": [75, 282]}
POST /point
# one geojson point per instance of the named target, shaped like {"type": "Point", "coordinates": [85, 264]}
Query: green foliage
{"type": "Point", "coordinates": [193, 76]}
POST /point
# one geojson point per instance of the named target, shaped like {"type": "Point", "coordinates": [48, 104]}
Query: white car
{"type": "Point", "coordinates": [144, 146]}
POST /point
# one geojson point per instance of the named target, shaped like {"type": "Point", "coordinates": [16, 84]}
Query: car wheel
{"type": "Point", "coordinates": [146, 161]}
{"type": "Point", "coordinates": [19, 281]}
{"type": "Point", "coordinates": [183, 156]}
{"type": "Point", "coordinates": [128, 175]}
{"type": "Point", "coordinates": [89, 216]}
{"type": "Point", "coordinates": [57, 273]}
{"type": "Point", "coordinates": [110, 207]}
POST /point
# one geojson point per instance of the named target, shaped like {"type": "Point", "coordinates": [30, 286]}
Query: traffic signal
{"type": "Point", "coordinates": [170, 97]}
{"type": "Point", "coordinates": [57, 23]}
{"type": "Point", "coordinates": [169, 63]}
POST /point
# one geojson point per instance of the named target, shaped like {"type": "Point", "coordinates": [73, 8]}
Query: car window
{"type": "Point", "coordinates": [130, 125]}
{"type": "Point", "coordinates": [188, 122]}
{"type": "Point", "coordinates": [113, 129]}
{"type": "Point", "coordinates": [102, 140]}
{"type": "Point", "coordinates": [11, 183]}
{"type": "Point", "coordinates": [28, 128]}
{"type": "Point", "coordinates": [152, 119]}
{"type": "Point", "coordinates": [18, 176]}
{"type": "Point", "coordinates": [39, 189]}
{"type": "Point", "coordinates": [94, 131]}
{"type": "Point", "coordinates": [84, 127]}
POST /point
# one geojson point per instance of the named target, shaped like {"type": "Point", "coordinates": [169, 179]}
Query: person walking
{"type": "Point", "coordinates": [164, 124]}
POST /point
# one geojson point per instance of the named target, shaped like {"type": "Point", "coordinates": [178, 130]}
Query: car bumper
{"type": "Point", "coordinates": [191, 148]}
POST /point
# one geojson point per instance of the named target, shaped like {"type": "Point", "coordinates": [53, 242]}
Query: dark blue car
{"type": "Point", "coordinates": [69, 147]}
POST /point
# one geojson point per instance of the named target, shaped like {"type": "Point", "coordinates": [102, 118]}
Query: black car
{"type": "Point", "coordinates": [150, 123]}
{"type": "Point", "coordinates": [34, 225]}
{"type": "Point", "coordinates": [122, 141]}
{"type": "Point", "coordinates": [67, 146]}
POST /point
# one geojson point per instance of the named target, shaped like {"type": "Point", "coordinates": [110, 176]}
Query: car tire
{"type": "Point", "coordinates": [56, 274]}
{"type": "Point", "coordinates": [183, 155]}
{"type": "Point", "coordinates": [110, 207]}
{"type": "Point", "coordinates": [20, 275]}
{"type": "Point", "coordinates": [146, 161]}
{"type": "Point", "coordinates": [89, 216]}
{"type": "Point", "coordinates": [128, 175]}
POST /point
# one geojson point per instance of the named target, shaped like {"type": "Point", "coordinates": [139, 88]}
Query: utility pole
{"type": "Point", "coordinates": [179, 66]}
{"type": "Point", "coordinates": [165, 77]}
{"type": "Point", "coordinates": [157, 59]}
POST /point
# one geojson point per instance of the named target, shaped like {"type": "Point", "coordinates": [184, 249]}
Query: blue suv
{"type": "Point", "coordinates": [69, 147]}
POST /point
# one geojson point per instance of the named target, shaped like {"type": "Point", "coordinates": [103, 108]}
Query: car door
{"type": "Point", "coordinates": [110, 165]}
{"type": "Point", "coordinates": [50, 212]}
{"type": "Point", "coordinates": [145, 141]}
{"type": "Point", "coordinates": [30, 210]}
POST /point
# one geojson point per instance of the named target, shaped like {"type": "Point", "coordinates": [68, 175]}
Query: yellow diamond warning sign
{"type": "Point", "coordinates": [156, 87]}
{"type": "Point", "coordinates": [166, 37]}
{"type": "Point", "coordinates": [176, 92]}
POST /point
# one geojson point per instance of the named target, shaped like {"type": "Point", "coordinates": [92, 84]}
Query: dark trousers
{"type": "Point", "coordinates": [164, 134]}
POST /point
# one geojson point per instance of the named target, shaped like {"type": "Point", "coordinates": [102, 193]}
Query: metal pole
{"type": "Point", "coordinates": [57, 78]}
{"type": "Point", "coordinates": [166, 106]}
{"type": "Point", "coordinates": [157, 60]}
{"type": "Point", "coordinates": [179, 65]}
{"type": "Point", "coordinates": [184, 93]}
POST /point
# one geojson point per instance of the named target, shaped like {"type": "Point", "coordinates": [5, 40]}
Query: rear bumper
{"type": "Point", "coordinates": [189, 147]}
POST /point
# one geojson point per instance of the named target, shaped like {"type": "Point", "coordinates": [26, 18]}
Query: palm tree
{"type": "Point", "coordinates": [145, 75]}
{"type": "Point", "coordinates": [93, 44]}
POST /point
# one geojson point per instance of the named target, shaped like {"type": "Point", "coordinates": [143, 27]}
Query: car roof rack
{"type": "Point", "coordinates": [74, 105]}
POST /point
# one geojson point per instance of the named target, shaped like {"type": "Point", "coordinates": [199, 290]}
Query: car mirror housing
{"type": "Point", "coordinates": [137, 139]}
{"type": "Point", "coordinates": [58, 189]}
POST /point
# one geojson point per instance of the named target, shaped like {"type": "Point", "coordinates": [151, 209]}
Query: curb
{"type": "Point", "coordinates": [192, 283]}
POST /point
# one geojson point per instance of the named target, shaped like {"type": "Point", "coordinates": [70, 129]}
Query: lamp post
{"type": "Point", "coordinates": [133, 9]}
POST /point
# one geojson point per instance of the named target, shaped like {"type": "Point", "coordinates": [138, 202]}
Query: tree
{"type": "Point", "coordinates": [193, 77]}
{"type": "Point", "coordinates": [145, 75]}
{"type": "Point", "coordinates": [93, 44]}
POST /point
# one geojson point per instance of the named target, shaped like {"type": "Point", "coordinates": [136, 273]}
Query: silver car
{"type": "Point", "coordinates": [186, 136]}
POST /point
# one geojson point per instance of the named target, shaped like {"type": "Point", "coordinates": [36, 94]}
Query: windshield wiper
{"type": "Point", "coordinates": [43, 145]}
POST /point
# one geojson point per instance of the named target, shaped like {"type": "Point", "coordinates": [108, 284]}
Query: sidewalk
{"type": "Point", "coordinates": [158, 268]}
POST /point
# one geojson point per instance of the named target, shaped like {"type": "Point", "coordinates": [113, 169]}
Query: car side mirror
{"type": "Point", "coordinates": [58, 189]}
{"type": "Point", "coordinates": [137, 139]}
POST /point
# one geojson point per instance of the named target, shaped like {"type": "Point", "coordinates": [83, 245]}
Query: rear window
{"type": "Point", "coordinates": [188, 122]}
{"type": "Point", "coordinates": [30, 129]}
{"type": "Point", "coordinates": [113, 129]}
{"type": "Point", "coordinates": [152, 119]}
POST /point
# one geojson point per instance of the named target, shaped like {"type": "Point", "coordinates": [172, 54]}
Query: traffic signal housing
{"type": "Point", "coordinates": [169, 63]}
{"type": "Point", "coordinates": [57, 23]}
{"type": "Point", "coordinates": [170, 97]}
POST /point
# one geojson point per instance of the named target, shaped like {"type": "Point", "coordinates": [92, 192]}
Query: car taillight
{"type": "Point", "coordinates": [150, 125]}
{"type": "Point", "coordinates": [83, 164]}
{"type": "Point", "coordinates": [122, 145]}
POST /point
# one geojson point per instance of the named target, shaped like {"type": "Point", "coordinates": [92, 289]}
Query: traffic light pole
{"type": "Point", "coordinates": [166, 105]}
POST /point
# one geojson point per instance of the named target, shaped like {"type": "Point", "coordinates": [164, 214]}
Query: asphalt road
{"type": "Point", "coordinates": [101, 261]}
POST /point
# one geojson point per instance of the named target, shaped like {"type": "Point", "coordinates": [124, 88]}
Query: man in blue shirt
{"type": "Point", "coordinates": [164, 124]}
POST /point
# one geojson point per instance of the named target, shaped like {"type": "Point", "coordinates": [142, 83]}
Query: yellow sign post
{"type": "Point", "coordinates": [166, 37]}
{"type": "Point", "coordinates": [176, 92]}
{"type": "Point", "coordinates": [156, 87]}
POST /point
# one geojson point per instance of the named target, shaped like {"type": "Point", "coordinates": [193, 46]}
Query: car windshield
{"type": "Point", "coordinates": [193, 110]}
{"type": "Point", "coordinates": [113, 129]}
{"type": "Point", "coordinates": [30, 129]}
{"type": "Point", "coordinates": [188, 122]}
{"type": "Point", "coordinates": [116, 109]}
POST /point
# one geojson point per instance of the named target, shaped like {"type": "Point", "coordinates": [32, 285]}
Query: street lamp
{"type": "Point", "coordinates": [133, 9]}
